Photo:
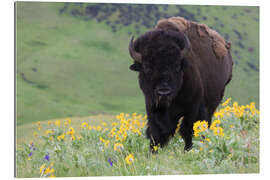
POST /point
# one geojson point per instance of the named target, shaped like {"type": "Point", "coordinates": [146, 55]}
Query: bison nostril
{"type": "Point", "coordinates": [164, 91]}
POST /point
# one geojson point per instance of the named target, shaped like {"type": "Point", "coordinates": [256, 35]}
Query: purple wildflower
{"type": "Point", "coordinates": [30, 154]}
{"type": "Point", "coordinates": [47, 157]}
{"type": "Point", "coordinates": [31, 145]}
{"type": "Point", "coordinates": [110, 161]}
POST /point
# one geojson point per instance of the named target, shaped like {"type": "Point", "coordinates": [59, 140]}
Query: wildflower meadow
{"type": "Point", "coordinates": [117, 146]}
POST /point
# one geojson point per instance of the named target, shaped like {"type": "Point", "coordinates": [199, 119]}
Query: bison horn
{"type": "Point", "coordinates": [135, 55]}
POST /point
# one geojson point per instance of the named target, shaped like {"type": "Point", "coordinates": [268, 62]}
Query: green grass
{"type": "Point", "coordinates": [67, 66]}
{"type": "Point", "coordinates": [79, 70]}
{"type": "Point", "coordinates": [237, 151]}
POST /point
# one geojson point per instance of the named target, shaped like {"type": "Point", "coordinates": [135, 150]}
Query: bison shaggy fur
{"type": "Point", "coordinates": [183, 68]}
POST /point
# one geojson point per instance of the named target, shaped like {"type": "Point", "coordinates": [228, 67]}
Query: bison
{"type": "Point", "coordinates": [183, 68]}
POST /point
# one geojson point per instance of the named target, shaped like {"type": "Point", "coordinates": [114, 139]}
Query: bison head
{"type": "Point", "coordinates": [160, 58]}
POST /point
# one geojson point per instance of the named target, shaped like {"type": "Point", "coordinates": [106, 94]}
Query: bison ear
{"type": "Point", "coordinates": [136, 67]}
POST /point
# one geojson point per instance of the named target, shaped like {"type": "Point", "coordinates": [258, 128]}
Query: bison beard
{"type": "Point", "coordinates": [183, 70]}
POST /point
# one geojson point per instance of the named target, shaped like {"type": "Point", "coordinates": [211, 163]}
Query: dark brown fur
{"type": "Point", "coordinates": [193, 81]}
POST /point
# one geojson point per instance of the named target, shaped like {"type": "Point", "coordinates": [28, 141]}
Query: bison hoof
{"type": "Point", "coordinates": [188, 147]}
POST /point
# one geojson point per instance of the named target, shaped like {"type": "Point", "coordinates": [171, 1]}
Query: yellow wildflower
{"type": "Point", "coordinates": [227, 108]}
{"type": "Point", "coordinates": [218, 131]}
{"type": "Point", "coordinates": [214, 124]}
{"type": "Point", "coordinates": [99, 128]}
{"type": "Point", "coordinates": [112, 132]}
{"type": "Point", "coordinates": [118, 147]}
{"type": "Point", "coordinates": [196, 133]}
{"type": "Point", "coordinates": [84, 125]}
{"type": "Point", "coordinates": [106, 143]}
{"type": "Point", "coordinates": [101, 139]}
{"type": "Point", "coordinates": [49, 131]}
{"type": "Point", "coordinates": [235, 104]}
{"type": "Point", "coordinates": [61, 137]}
{"type": "Point", "coordinates": [129, 159]}
{"type": "Point", "coordinates": [57, 122]}
{"type": "Point", "coordinates": [120, 116]}
{"type": "Point", "coordinates": [49, 170]}
{"type": "Point", "coordinates": [196, 125]}
{"type": "Point", "coordinates": [257, 111]}
{"type": "Point", "coordinates": [35, 133]}
{"type": "Point", "coordinates": [124, 136]}
{"type": "Point", "coordinates": [219, 114]}
{"type": "Point", "coordinates": [73, 138]}
{"type": "Point", "coordinates": [38, 125]}
{"type": "Point", "coordinates": [204, 125]}
{"type": "Point", "coordinates": [199, 126]}
{"type": "Point", "coordinates": [227, 102]}
{"type": "Point", "coordinates": [71, 131]}
{"type": "Point", "coordinates": [42, 168]}
{"type": "Point", "coordinates": [117, 137]}
{"type": "Point", "coordinates": [114, 123]}
{"type": "Point", "coordinates": [136, 131]}
{"type": "Point", "coordinates": [67, 121]}
{"type": "Point", "coordinates": [155, 148]}
{"type": "Point", "coordinates": [50, 122]}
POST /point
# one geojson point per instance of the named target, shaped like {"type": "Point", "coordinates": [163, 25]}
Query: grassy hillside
{"type": "Point", "coordinates": [116, 146]}
{"type": "Point", "coordinates": [72, 59]}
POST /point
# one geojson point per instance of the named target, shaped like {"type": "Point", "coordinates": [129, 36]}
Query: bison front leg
{"type": "Point", "coordinates": [186, 128]}
{"type": "Point", "coordinates": [156, 137]}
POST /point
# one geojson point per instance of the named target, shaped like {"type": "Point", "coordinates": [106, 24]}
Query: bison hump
{"type": "Point", "coordinates": [219, 45]}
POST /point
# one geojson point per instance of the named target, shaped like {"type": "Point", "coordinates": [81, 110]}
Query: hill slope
{"type": "Point", "coordinates": [72, 58]}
